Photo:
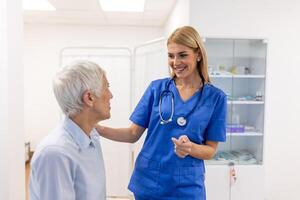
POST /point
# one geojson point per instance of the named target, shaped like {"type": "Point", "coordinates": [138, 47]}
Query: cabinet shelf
{"type": "Point", "coordinates": [237, 76]}
{"type": "Point", "coordinates": [245, 102]}
{"type": "Point", "coordinates": [227, 162]}
{"type": "Point", "coordinates": [245, 134]}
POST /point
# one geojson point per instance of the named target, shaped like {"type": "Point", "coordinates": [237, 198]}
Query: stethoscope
{"type": "Point", "coordinates": [182, 120]}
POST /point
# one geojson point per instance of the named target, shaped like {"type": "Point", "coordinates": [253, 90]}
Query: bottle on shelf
{"type": "Point", "coordinates": [258, 96]}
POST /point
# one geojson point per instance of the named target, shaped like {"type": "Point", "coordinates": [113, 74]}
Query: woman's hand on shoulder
{"type": "Point", "coordinates": [99, 129]}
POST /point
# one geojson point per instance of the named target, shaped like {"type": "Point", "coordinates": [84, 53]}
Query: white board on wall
{"type": "Point", "coordinates": [150, 63]}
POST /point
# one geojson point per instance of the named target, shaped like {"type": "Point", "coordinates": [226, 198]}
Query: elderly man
{"type": "Point", "coordinates": [68, 164]}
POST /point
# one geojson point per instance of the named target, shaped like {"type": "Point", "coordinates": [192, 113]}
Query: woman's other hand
{"type": "Point", "coordinates": [182, 146]}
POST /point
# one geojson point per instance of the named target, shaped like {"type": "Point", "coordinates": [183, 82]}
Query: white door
{"type": "Point", "coordinates": [150, 63]}
{"type": "Point", "coordinates": [217, 182]}
{"type": "Point", "coordinates": [249, 183]}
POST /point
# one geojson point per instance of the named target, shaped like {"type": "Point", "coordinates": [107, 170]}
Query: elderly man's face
{"type": "Point", "coordinates": [102, 104]}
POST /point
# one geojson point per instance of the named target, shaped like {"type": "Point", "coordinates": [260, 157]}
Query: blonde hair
{"type": "Point", "coordinates": [189, 37]}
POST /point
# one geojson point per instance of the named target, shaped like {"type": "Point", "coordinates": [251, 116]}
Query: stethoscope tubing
{"type": "Point", "coordinates": [165, 92]}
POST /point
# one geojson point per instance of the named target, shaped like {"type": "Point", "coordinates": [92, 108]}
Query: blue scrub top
{"type": "Point", "coordinates": [159, 173]}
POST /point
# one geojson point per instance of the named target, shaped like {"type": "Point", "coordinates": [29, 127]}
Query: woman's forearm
{"type": "Point", "coordinates": [130, 134]}
{"type": "Point", "coordinates": [204, 151]}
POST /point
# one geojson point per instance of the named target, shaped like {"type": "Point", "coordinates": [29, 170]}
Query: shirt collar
{"type": "Point", "coordinates": [78, 135]}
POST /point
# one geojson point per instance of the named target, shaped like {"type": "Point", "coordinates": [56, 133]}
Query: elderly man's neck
{"type": "Point", "coordinates": [85, 122]}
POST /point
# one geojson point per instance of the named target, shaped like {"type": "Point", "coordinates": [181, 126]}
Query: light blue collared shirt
{"type": "Point", "coordinates": [68, 165]}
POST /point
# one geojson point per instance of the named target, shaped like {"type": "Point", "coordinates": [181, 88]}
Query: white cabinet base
{"type": "Point", "coordinates": [217, 182]}
{"type": "Point", "coordinates": [249, 184]}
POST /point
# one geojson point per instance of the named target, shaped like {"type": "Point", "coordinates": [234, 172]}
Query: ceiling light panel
{"type": "Point", "coordinates": [37, 5]}
{"type": "Point", "coordinates": [122, 5]}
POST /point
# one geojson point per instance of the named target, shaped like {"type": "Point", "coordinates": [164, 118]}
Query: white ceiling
{"type": "Point", "coordinates": [89, 12]}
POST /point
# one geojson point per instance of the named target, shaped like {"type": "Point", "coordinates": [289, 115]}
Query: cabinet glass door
{"type": "Point", "coordinates": [237, 66]}
{"type": "Point", "coordinates": [220, 60]}
{"type": "Point", "coordinates": [248, 92]}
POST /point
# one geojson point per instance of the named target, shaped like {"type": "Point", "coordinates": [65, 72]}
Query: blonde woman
{"type": "Point", "coordinates": [186, 118]}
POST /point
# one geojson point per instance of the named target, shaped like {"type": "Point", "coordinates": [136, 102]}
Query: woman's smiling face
{"type": "Point", "coordinates": [182, 60]}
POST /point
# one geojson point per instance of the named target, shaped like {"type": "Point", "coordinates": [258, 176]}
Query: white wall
{"type": "Point", "coordinates": [12, 150]}
{"type": "Point", "coordinates": [178, 17]}
{"type": "Point", "coordinates": [43, 44]}
{"type": "Point", "coordinates": [279, 22]}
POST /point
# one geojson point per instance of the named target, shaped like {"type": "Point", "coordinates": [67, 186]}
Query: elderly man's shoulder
{"type": "Point", "coordinates": [57, 144]}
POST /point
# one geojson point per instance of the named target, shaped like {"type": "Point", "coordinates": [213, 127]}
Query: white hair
{"type": "Point", "coordinates": [73, 80]}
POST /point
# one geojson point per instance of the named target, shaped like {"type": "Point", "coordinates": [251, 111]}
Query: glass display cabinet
{"type": "Point", "coordinates": [238, 67]}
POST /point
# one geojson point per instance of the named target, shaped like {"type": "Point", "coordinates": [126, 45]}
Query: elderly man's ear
{"type": "Point", "coordinates": [88, 98]}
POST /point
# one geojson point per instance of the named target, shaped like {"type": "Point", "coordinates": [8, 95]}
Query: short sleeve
{"type": "Point", "coordinates": [216, 129]}
{"type": "Point", "coordinates": [142, 112]}
{"type": "Point", "coordinates": [51, 176]}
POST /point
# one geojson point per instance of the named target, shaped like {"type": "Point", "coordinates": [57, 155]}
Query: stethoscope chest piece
{"type": "Point", "coordinates": [181, 121]}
